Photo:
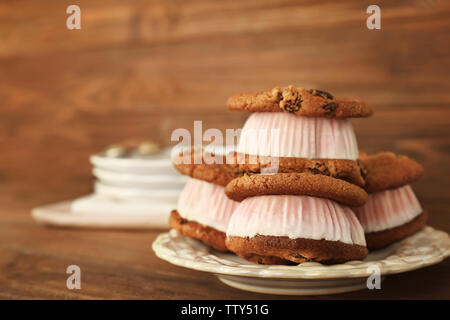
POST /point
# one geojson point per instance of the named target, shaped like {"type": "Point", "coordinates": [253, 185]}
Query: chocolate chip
{"type": "Point", "coordinates": [279, 96]}
{"type": "Point", "coordinates": [299, 256]}
{"type": "Point", "coordinates": [330, 108]}
{"type": "Point", "coordinates": [320, 168]}
{"type": "Point", "coordinates": [293, 106]}
{"type": "Point", "coordinates": [320, 93]}
{"type": "Point", "coordinates": [363, 173]}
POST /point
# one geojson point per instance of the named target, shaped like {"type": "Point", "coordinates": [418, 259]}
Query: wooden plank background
{"type": "Point", "coordinates": [138, 69]}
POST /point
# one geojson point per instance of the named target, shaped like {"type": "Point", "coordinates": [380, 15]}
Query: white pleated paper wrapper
{"type": "Point", "coordinates": [281, 134]}
{"type": "Point", "coordinates": [206, 203]}
{"type": "Point", "coordinates": [296, 217]}
{"type": "Point", "coordinates": [388, 209]}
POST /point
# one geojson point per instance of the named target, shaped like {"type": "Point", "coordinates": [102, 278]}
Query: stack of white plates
{"type": "Point", "coordinates": [133, 189]}
{"type": "Point", "coordinates": [133, 176]}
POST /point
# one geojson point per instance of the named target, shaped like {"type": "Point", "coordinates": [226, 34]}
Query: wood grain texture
{"type": "Point", "coordinates": [138, 69]}
{"type": "Point", "coordinates": [121, 265]}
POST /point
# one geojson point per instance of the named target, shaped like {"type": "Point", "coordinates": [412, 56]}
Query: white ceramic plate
{"type": "Point", "coordinates": [155, 164]}
{"type": "Point", "coordinates": [426, 247]}
{"type": "Point", "coordinates": [136, 193]}
{"type": "Point", "coordinates": [129, 180]}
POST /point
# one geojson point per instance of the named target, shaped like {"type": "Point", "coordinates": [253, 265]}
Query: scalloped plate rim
{"type": "Point", "coordinates": [303, 272]}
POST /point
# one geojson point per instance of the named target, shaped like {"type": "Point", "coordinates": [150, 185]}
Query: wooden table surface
{"type": "Point", "coordinates": [139, 69]}
{"type": "Point", "coordinates": [122, 265]}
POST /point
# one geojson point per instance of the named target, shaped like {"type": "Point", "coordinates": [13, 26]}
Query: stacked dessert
{"type": "Point", "coordinates": [392, 211]}
{"type": "Point", "coordinates": [300, 212]}
{"type": "Point", "coordinates": [296, 186]}
{"type": "Point", "coordinates": [291, 181]}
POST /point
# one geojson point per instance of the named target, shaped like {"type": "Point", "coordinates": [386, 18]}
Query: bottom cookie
{"type": "Point", "coordinates": [208, 235]}
{"type": "Point", "coordinates": [283, 250]}
{"type": "Point", "coordinates": [381, 239]}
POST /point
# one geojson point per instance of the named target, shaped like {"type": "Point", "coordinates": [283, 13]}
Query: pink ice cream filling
{"type": "Point", "coordinates": [206, 203]}
{"type": "Point", "coordinates": [388, 209]}
{"type": "Point", "coordinates": [296, 217]}
{"type": "Point", "coordinates": [280, 134]}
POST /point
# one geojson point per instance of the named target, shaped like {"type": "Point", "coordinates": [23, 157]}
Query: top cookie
{"type": "Point", "coordinates": [300, 101]}
{"type": "Point", "coordinates": [386, 170]}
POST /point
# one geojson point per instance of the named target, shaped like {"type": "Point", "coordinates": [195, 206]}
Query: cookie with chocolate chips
{"type": "Point", "coordinates": [240, 164]}
{"type": "Point", "coordinates": [342, 169]}
{"type": "Point", "coordinates": [211, 168]}
{"type": "Point", "coordinates": [308, 184]}
{"type": "Point", "coordinates": [381, 239]}
{"type": "Point", "coordinates": [300, 101]}
{"type": "Point", "coordinates": [284, 250]}
{"type": "Point", "coordinates": [208, 235]}
{"type": "Point", "coordinates": [386, 170]}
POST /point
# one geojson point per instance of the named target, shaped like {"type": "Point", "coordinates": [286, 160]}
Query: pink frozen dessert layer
{"type": "Point", "coordinates": [296, 217]}
{"type": "Point", "coordinates": [206, 203]}
{"type": "Point", "coordinates": [287, 135]}
{"type": "Point", "coordinates": [388, 209]}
